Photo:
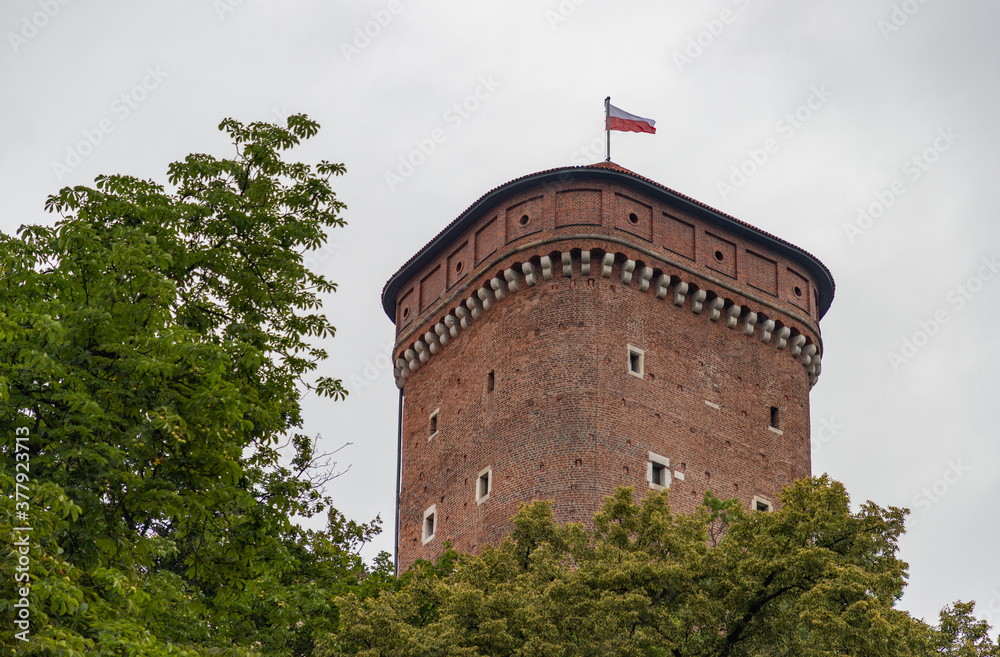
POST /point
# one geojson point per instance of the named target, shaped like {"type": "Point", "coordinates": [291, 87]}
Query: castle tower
{"type": "Point", "coordinates": [586, 328]}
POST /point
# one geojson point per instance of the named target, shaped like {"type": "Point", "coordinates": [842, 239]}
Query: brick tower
{"type": "Point", "coordinates": [585, 328]}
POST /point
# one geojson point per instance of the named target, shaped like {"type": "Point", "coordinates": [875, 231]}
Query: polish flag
{"type": "Point", "coordinates": [622, 120]}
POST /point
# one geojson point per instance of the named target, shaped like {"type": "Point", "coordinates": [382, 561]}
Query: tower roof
{"type": "Point", "coordinates": [608, 172]}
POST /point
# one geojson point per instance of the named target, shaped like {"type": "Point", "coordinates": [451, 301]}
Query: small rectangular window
{"type": "Point", "coordinates": [760, 504]}
{"type": "Point", "coordinates": [484, 484]}
{"type": "Point", "coordinates": [433, 421]}
{"type": "Point", "coordinates": [636, 357]}
{"type": "Point", "coordinates": [490, 381]}
{"type": "Point", "coordinates": [774, 417]}
{"type": "Point", "coordinates": [658, 471]}
{"type": "Point", "coordinates": [430, 527]}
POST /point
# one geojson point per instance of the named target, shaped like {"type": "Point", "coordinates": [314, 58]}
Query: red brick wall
{"type": "Point", "coordinates": [566, 421]}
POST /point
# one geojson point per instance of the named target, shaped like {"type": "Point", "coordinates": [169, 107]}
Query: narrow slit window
{"type": "Point", "coordinates": [484, 484]}
{"type": "Point", "coordinates": [636, 365]}
{"type": "Point", "coordinates": [433, 422]}
{"type": "Point", "coordinates": [430, 524]}
{"type": "Point", "coordinates": [774, 417]}
{"type": "Point", "coordinates": [491, 380]}
{"type": "Point", "coordinates": [658, 471]}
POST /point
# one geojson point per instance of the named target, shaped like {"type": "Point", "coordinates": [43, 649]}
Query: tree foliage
{"type": "Point", "coordinates": [155, 346]}
{"type": "Point", "coordinates": [812, 579]}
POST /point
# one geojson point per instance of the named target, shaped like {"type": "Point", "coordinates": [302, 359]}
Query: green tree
{"type": "Point", "coordinates": [155, 346]}
{"type": "Point", "coordinates": [810, 579]}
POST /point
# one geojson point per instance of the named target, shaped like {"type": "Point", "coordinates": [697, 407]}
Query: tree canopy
{"type": "Point", "coordinates": [813, 578]}
{"type": "Point", "coordinates": [155, 345]}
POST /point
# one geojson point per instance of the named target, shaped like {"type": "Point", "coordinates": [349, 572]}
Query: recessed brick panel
{"type": "Point", "coordinates": [488, 239]}
{"type": "Point", "coordinates": [678, 236]}
{"type": "Point", "coordinates": [524, 218]}
{"type": "Point", "coordinates": [633, 217]}
{"type": "Point", "coordinates": [719, 254]}
{"type": "Point", "coordinates": [761, 272]}
{"type": "Point", "coordinates": [459, 263]}
{"type": "Point", "coordinates": [406, 308]}
{"type": "Point", "coordinates": [797, 289]}
{"type": "Point", "coordinates": [578, 207]}
{"type": "Point", "coordinates": [431, 287]}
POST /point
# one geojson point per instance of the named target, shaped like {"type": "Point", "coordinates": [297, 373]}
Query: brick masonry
{"type": "Point", "coordinates": [562, 418]}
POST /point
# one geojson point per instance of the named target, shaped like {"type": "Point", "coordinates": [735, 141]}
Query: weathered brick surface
{"type": "Point", "coordinates": [566, 421]}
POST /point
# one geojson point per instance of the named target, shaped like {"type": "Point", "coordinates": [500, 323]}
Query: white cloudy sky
{"type": "Point", "coordinates": [887, 81]}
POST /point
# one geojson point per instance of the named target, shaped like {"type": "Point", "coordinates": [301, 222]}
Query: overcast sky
{"type": "Point", "coordinates": [792, 116]}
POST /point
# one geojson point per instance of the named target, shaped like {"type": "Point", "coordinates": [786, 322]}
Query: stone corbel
{"type": "Point", "coordinates": [475, 307]}
{"type": "Point", "coordinates": [644, 276]}
{"type": "Point", "coordinates": [807, 354]}
{"type": "Point", "coordinates": [797, 343]}
{"type": "Point", "coordinates": [485, 295]}
{"type": "Point", "coordinates": [529, 274]}
{"type": "Point", "coordinates": [412, 360]}
{"type": "Point", "coordinates": [567, 262]}
{"type": "Point", "coordinates": [513, 279]}
{"type": "Point", "coordinates": [698, 301]}
{"type": "Point", "coordinates": [715, 308]}
{"type": "Point", "coordinates": [423, 353]}
{"type": "Point", "coordinates": [680, 291]}
{"type": "Point", "coordinates": [444, 335]}
{"type": "Point", "coordinates": [627, 270]}
{"type": "Point", "coordinates": [748, 323]}
{"type": "Point", "coordinates": [432, 341]}
{"type": "Point", "coordinates": [783, 334]}
{"type": "Point", "coordinates": [606, 264]}
{"type": "Point", "coordinates": [732, 316]}
{"type": "Point", "coordinates": [498, 289]}
{"type": "Point", "coordinates": [585, 263]}
{"type": "Point", "coordinates": [464, 319]}
{"type": "Point", "coordinates": [454, 325]}
{"type": "Point", "coordinates": [546, 263]}
{"type": "Point", "coordinates": [766, 328]}
{"type": "Point", "coordinates": [662, 283]}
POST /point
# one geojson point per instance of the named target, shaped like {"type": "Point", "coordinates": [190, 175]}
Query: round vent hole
{"type": "Point", "coordinates": [719, 256]}
{"type": "Point", "coordinates": [797, 291]}
{"type": "Point", "coordinates": [524, 220]}
{"type": "Point", "coordinates": [634, 218]}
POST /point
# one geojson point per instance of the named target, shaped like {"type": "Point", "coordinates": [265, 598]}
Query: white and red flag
{"type": "Point", "coordinates": [619, 119]}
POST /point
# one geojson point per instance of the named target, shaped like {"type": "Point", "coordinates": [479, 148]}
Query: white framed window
{"type": "Point", "coordinates": [432, 420]}
{"type": "Point", "coordinates": [658, 471]}
{"type": "Point", "coordinates": [636, 358]}
{"type": "Point", "coordinates": [430, 523]}
{"type": "Point", "coordinates": [484, 484]}
{"type": "Point", "coordinates": [761, 504]}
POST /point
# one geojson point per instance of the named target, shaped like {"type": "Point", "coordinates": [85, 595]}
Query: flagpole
{"type": "Point", "coordinates": [607, 126]}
